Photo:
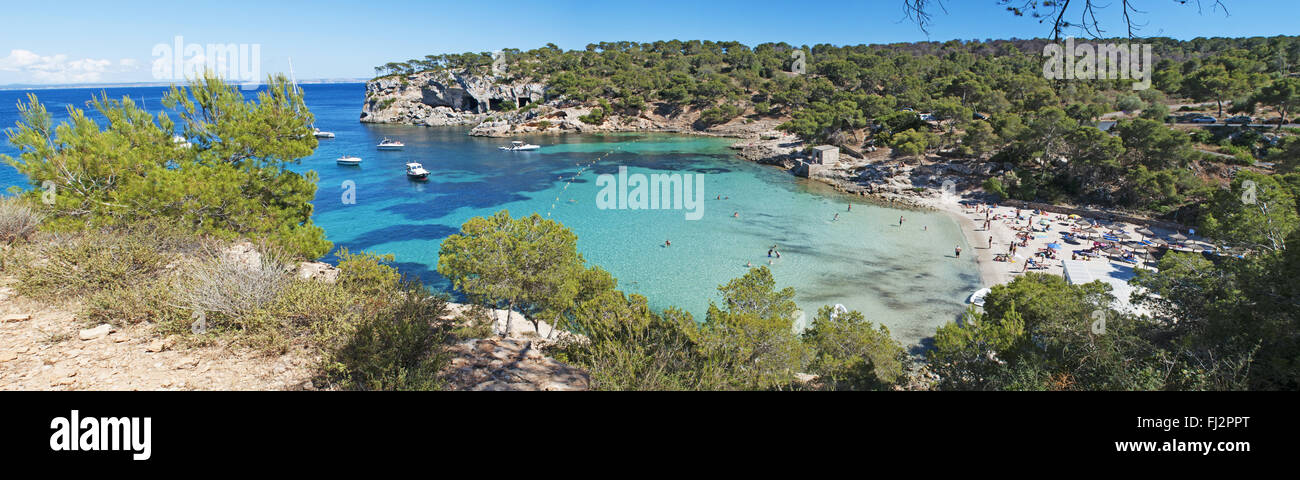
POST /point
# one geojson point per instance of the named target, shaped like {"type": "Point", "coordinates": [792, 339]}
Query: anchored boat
{"type": "Point", "coordinates": [350, 161]}
{"type": "Point", "coordinates": [390, 145]}
{"type": "Point", "coordinates": [517, 145]}
{"type": "Point", "coordinates": [416, 171]}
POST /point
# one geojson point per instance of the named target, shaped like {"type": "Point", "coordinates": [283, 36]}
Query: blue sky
{"type": "Point", "coordinates": [87, 42]}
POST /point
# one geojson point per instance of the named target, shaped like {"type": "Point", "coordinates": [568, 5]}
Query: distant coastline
{"type": "Point", "coordinates": [22, 86]}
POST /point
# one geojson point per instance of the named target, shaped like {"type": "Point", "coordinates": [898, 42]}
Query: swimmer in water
{"type": "Point", "coordinates": [850, 207]}
{"type": "Point", "coordinates": [668, 243]}
{"type": "Point", "coordinates": [735, 215]}
{"type": "Point", "coordinates": [769, 252]}
{"type": "Point", "coordinates": [837, 217]}
{"type": "Point", "coordinates": [900, 220]}
{"type": "Point", "coordinates": [747, 264]}
{"type": "Point", "coordinates": [958, 251]}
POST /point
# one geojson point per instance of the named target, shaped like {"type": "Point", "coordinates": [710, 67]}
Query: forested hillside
{"type": "Point", "coordinates": [956, 99]}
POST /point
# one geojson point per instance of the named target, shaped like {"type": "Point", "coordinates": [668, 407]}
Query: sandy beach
{"type": "Point", "coordinates": [1005, 225]}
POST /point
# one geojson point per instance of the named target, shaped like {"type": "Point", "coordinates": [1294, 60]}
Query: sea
{"type": "Point", "coordinates": [904, 276]}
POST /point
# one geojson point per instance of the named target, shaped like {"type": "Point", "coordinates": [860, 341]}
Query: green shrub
{"type": "Point", "coordinates": [152, 301]}
{"type": "Point", "coordinates": [719, 115]}
{"type": "Point", "coordinates": [84, 264]}
{"type": "Point", "coordinates": [596, 117]}
{"type": "Point", "coordinates": [473, 322]}
{"type": "Point", "coordinates": [994, 185]}
{"type": "Point", "coordinates": [398, 349]}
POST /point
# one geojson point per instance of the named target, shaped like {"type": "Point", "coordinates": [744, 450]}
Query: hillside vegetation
{"type": "Point", "coordinates": [985, 99]}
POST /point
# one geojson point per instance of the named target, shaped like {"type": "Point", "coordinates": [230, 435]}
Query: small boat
{"type": "Point", "coordinates": [416, 171]}
{"type": "Point", "coordinates": [517, 145]}
{"type": "Point", "coordinates": [390, 145]}
{"type": "Point", "coordinates": [977, 298]}
{"type": "Point", "coordinates": [318, 133]}
{"type": "Point", "coordinates": [346, 160]}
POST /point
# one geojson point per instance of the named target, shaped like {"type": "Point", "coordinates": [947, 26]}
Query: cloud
{"type": "Point", "coordinates": [60, 69]}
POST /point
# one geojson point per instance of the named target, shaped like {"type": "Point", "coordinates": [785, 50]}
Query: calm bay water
{"type": "Point", "coordinates": [902, 276]}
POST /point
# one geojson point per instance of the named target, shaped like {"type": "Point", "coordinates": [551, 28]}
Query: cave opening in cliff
{"type": "Point", "coordinates": [522, 101]}
{"type": "Point", "coordinates": [494, 104]}
{"type": "Point", "coordinates": [469, 104]}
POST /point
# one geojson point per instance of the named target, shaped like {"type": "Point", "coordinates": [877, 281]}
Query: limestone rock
{"type": "Point", "coordinates": [16, 317]}
{"type": "Point", "coordinates": [94, 333]}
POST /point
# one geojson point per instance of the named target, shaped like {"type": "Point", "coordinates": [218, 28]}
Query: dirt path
{"type": "Point", "coordinates": [43, 348]}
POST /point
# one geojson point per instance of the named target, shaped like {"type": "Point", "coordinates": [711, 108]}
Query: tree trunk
{"type": "Point", "coordinates": [509, 310]}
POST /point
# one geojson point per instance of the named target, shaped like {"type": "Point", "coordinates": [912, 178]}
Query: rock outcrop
{"type": "Point", "coordinates": [439, 98]}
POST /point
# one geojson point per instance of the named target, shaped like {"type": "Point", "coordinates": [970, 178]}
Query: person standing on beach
{"type": "Point", "coordinates": [958, 251]}
{"type": "Point", "coordinates": [990, 242]}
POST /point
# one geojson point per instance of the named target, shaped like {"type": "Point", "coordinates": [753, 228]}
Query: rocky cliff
{"type": "Point", "coordinates": [442, 98]}
{"type": "Point", "coordinates": [497, 109]}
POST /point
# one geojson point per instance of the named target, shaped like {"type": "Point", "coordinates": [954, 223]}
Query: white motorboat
{"type": "Point", "coordinates": [977, 298]}
{"type": "Point", "coordinates": [318, 133]}
{"type": "Point", "coordinates": [517, 145]}
{"type": "Point", "coordinates": [345, 160]}
{"type": "Point", "coordinates": [416, 171]}
{"type": "Point", "coordinates": [390, 144]}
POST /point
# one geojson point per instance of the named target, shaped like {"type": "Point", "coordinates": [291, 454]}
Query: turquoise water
{"type": "Point", "coordinates": [902, 276]}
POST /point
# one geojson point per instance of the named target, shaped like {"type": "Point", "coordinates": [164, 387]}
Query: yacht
{"type": "Point", "coordinates": [346, 160]}
{"type": "Point", "coordinates": [318, 133]}
{"type": "Point", "coordinates": [518, 145]}
{"type": "Point", "coordinates": [390, 144]}
{"type": "Point", "coordinates": [416, 171]}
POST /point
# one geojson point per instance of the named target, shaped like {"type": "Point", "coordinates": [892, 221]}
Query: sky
{"type": "Point", "coordinates": [74, 41]}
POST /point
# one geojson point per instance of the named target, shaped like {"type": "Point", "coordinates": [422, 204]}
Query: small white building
{"type": "Point", "coordinates": [825, 155]}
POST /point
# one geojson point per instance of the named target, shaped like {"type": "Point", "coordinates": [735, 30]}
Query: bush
{"type": "Point", "coordinates": [83, 264]}
{"type": "Point", "coordinates": [229, 289]}
{"type": "Point", "coordinates": [399, 349]}
{"type": "Point", "coordinates": [152, 301]}
{"type": "Point", "coordinates": [852, 353]}
{"type": "Point", "coordinates": [18, 220]}
{"type": "Point", "coordinates": [994, 185]}
{"type": "Point", "coordinates": [718, 115]}
{"type": "Point", "coordinates": [596, 117]}
{"type": "Point", "coordinates": [474, 322]}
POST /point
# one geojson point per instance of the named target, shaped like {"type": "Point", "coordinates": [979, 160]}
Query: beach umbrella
{"type": "Point", "coordinates": [1083, 221]}
{"type": "Point", "coordinates": [1178, 237]}
{"type": "Point", "coordinates": [1123, 236]}
{"type": "Point", "coordinates": [1145, 232]}
{"type": "Point", "coordinates": [1113, 250]}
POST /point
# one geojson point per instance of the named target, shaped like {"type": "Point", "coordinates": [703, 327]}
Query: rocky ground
{"type": "Point", "coordinates": [45, 347]}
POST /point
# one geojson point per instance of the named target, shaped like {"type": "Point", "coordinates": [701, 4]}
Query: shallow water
{"type": "Point", "coordinates": [903, 276]}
